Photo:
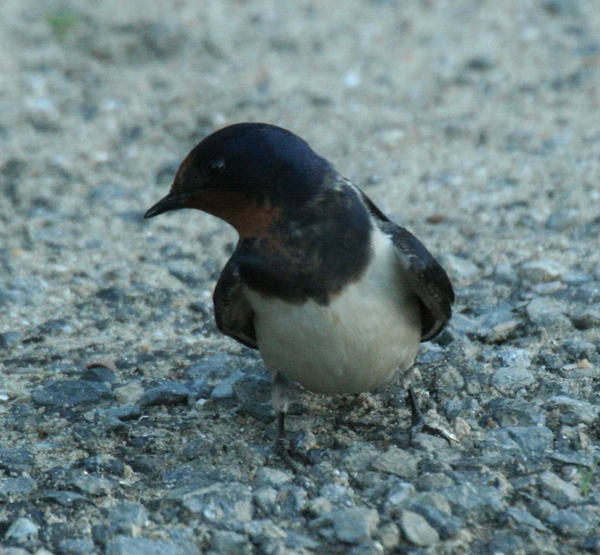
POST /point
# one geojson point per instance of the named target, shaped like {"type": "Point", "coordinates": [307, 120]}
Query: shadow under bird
{"type": "Point", "coordinates": [334, 295]}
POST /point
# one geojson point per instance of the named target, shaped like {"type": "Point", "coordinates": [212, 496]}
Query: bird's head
{"type": "Point", "coordinates": [247, 174]}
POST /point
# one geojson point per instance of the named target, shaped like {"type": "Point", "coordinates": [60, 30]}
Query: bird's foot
{"type": "Point", "coordinates": [295, 460]}
{"type": "Point", "coordinates": [421, 424]}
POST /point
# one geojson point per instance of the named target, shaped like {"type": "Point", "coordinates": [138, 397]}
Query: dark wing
{"type": "Point", "coordinates": [233, 314]}
{"type": "Point", "coordinates": [427, 278]}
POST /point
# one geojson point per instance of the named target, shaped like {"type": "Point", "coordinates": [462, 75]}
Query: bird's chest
{"type": "Point", "coordinates": [352, 344]}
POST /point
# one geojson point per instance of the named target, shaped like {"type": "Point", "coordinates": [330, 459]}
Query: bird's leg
{"type": "Point", "coordinates": [281, 401]}
{"type": "Point", "coordinates": [419, 422]}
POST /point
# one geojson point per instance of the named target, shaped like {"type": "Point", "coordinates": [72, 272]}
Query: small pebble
{"type": "Point", "coordinates": [557, 491]}
{"type": "Point", "coordinates": [128, 518]}
{"type": "Point", "coordinates": [541, 271]}
{"type": "Point", "coordinates": [266, 476]}
{"type": "Point", "coordinates": [76, 546]}
{"type": "Point", "coordinates": [508, 380]}
{"type": "Point", "coordinates": [417, 530]}
{"type": "Point", "coordinates": [569, 523]}
{"type": "Point", "coordinates": [124, 545]}
{"type": "Point", "coordinates": [71, 393]}
{"type": "Point", "coordinates": [165, 394]}
{"type": "Point", "coordinates": [21, 530]}
{"type": "Point", "coordinates": [226, 504]}
{"type": "Point", "coordinates": [355, 525]}
{"type": "Point", "coordinates": [397, 461]}
{"type": "Point", "coordinates": [230, 543]}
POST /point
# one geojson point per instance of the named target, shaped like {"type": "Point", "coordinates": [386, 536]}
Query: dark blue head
{"type": "Point", "coordinates": [243, 171]}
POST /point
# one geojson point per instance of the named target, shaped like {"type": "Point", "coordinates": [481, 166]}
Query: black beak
{"type": "Point", "coordinates": [172, 201]}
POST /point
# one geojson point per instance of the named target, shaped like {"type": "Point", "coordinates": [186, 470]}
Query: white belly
{"type": "Point", "coordinates": [366, 334]}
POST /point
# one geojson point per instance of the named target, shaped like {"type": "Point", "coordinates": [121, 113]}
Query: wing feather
{"type": "Point", "coordinates": [233, 314]}
{"type": "Point", "coordinates": [427, 278]}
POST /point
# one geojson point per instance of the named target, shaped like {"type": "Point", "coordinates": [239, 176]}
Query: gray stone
{"type": "Point", "coordinates": [497, 324]}
{"type": "Point", "coordinates": [448, 379]}
{"type": "Point", "coordinates": [399, 494]}
{"type": "Point", "coordinates": [319, 506]}
{"type": "Point", "coordinates": [338, 494]}
{"type": "Point", "coordinates": [125, 545]}
{"type": "Point", "coordinates": [397, 461]}
{"type": "Point", "coordinates": [429, 443]}
{"type": "Point", "coordinates": [580, 349]}
{"type": "Point", "coordinates": [230, 543]}
{"type": "Point", "coordinates": [557, 491]}
{"type": "Point", "coordinates": [23, 485]}
{"type": "Point", "coordinates": [295, 540]}
{"type": "Point", "coordinates": [573, 411]}
{"type": "Point", "coordinates": [165, 394]}
{"type": "Point", "coordinates": [481, 503]}
{"type": "Point", "coordinates": [76, 546]}
{"type": "Point", "coordinates": [214, 367]}
{"type": "Point", "coordinates": [446, 525]}
{"type": "Point", "coordinates": [20, 551]}
{"type": "Point", "coordinates": [541, 271]}
{"type": "Point", "coordinates": [292, 499]}
{"type": "Point", "coordinates": [252, 387]}
{"type": "Point", "coordinates": [586, 318]}
{"type": "Point", "coordinates": [263, 412]}
{"type": "Point", "coordinates": [99, 374]}
{"type": "Point", "coordinates": [226, 504]}
{"type": "Point", "coordinates": [534, 441]}
{"type": "Point", "coordinates": [62, 394]}
{"type": "Point", "coordinates": [515, 357]}
{"type": "Point", "coordinates": [55, 326]}
{"type": "Point", "coordinates": [355, 525]}
{"type": "Point", "coordinates": [541, 508]}
{"type": "Point", "coordinates": [417, 530]}
{"type": "Point", "coordinates": [464, 269]}
{"type": "Point", "coordinates": [510, 413]}
{"type": "Point", "coordinates": [21, 530]}
{"type": "Point", "coordinates": [389, 535]}
{"type": "Point", "coordinates": [200, 388]}
{"type": "Point", "coordinates": [265, 498]}
{"type": "Point", "coordinates": [198, 448]}
{"type": "Point", "coordinates": [267, 536]}
{"type": "Point", "coordinates": [267, 476]}
{"type": "Point", "coordinates": [224, 389]}
{"type": "Point", "coordinates": [523, 517]}
{"type": "Point", "coordinates": [359, 456]}
{"type": "Point", "coordinates": [10, 339]}
{"type": "Point", "coordinates": [549, 314]}
{"type": "Point", "coordinates": [367, 548]}
{"type": "Point", "coordinates": [591, 544]}
{"type": "Point", "coordinates": [91, 485]}
{"type": "Point", "coordinates": [569, 523]}
{"type": "Point", "coordinates": [508, 380]}
{"type": "Point", "coordinates": [465, 325]}
{"type": "Point", "coordinates": [505, 273]}
{"type": "Point", "coordinates": [499, 448]}
{"type": "Point", "coordinates": [115, 418]}
{"type": "Point", "coordinates": [433, 481]}
{"type": "Point", "coordinates": [64, 498]}
{"type": "Point", "coordinates": [128, 518]}
{"type": "Point", "coordinates": [430, 499]}
{"type": "Point", "coordinates": [507, 544]}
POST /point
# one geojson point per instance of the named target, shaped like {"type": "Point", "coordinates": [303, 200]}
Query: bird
{"type": "Point", "coordinates": [333, 294]}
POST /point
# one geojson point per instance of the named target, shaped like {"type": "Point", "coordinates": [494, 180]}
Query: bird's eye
{"type": "Point", "coordinates": [215, 167]}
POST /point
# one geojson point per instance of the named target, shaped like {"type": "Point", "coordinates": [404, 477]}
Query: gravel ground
{"type": "Point", "coordinates": [129, 426]}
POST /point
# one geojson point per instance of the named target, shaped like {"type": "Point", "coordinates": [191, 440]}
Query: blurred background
{"type": "Point", "coordinates": [473, 123]}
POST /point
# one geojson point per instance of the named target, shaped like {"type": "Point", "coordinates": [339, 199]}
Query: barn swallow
{"type": "Point", "coordinates": [334, 295]}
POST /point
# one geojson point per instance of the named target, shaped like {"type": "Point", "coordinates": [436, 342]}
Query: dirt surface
{"type": "Point", "coordinates": [128, 424]}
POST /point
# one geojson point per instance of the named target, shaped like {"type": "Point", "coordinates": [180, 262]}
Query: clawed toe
{"type": "Point", "coordinates": [420, 423]}
{"type": "Point", "coordinates": [293, 459]}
